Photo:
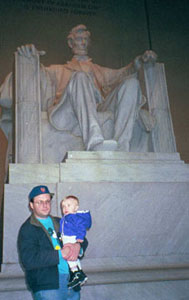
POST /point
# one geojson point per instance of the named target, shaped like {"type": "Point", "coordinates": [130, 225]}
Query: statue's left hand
{"type": "Point", "coordinates": [149, 55]}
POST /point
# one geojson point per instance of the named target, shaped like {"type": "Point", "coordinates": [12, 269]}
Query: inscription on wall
{"type": "Point", "coordinates": [76, 7]}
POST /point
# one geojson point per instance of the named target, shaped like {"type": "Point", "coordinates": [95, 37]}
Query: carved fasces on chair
{"type": "Point", "coordinates": [28, 148]}
{"type": "Point", "coordinates": [163, 139]}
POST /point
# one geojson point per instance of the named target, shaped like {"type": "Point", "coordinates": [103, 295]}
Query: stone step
{"type": "Point", "coordinates": [99, 275]}
{"type": "Point", "coordinates": [104, 166]}
{"type": "Point", "coordinates": [125, 156]}
{"type": "Point", "coordinates": [34, 173]}
{"type": "Point", "coordinates": [146, 290]}
{"type": "Point", "coordinates": [125, 161]}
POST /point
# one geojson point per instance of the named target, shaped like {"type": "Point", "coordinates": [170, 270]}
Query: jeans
{"type": "Point", "coordinates": [63, 293]}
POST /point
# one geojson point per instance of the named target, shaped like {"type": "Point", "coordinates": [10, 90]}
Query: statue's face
{"type": "Point", "coordinates": [80, 44]}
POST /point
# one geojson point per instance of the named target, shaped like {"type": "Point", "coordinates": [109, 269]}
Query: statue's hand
{"type": "Point", "coordinates": [149, 56]}
{"type": "Point", "coordinates": [29, 51]}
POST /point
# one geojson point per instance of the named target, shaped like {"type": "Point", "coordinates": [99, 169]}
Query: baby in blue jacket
{"type": "Point", "coordinates": [73, 227]}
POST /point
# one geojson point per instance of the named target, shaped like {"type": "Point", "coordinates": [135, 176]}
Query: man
{"type": "Point", "coordinates": [41, 255]}
{"type": "Point", "coordinates": [81, 91]}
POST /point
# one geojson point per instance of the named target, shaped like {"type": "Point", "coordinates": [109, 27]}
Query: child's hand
{"type": "Point", "coordinates": [79, 241]}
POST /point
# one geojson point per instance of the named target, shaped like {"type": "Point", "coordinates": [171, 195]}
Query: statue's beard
{"type": "Point", "coordinates": [82, 52]}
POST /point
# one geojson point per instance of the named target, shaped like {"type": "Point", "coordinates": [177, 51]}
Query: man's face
{"type": "Point", "coordinates": [41, 206]}
{"type": "Point", "coordinates": [80, 44]}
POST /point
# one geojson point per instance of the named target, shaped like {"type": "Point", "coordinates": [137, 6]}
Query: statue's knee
{"type": "Point", "coordinates": [132, 82]}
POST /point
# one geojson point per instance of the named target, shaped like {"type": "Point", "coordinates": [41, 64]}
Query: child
{"type": "Point", "coordinates": [73, 226]}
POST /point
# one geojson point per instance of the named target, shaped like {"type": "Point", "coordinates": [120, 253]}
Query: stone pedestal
{"type": "Point", "coordinates": [138, 244]}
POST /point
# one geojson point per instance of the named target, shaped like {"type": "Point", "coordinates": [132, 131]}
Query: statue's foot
{"type": "Point", "coordinates": [106, 145]}
{"type": "Point", "coordinates": [125, 146]}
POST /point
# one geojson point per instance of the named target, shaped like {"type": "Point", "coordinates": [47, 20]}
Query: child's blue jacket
{"type": "Point", "coordinates": [76, 224]}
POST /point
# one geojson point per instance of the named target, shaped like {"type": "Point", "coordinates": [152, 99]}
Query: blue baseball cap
{"type": "Point", "coordinates": [38, 190]}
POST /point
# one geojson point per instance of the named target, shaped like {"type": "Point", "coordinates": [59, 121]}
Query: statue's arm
{"type": "Point", "coordinates": [6, 92]}
{"type": "Point", "coordinates": [137, 63]}
{"type": "Point", "coordinates": [47, 75]}
{"type": "Point", "coordinates": [6, 106]}
{"type": "Point", "coordinates": [48, 83]}
{"type": "Point", "coordinates": [133, 68]}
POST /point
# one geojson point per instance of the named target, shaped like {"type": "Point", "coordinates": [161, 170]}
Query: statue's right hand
{"type": "Point", "coordinates": [29, 51]}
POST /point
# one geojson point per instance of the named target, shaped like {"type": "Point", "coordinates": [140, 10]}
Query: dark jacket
{"type": "Point", "coordinates": [37, 255]}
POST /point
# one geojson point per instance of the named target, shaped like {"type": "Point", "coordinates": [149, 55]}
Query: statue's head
{"type": "Point", "coordinates": [78, 40]}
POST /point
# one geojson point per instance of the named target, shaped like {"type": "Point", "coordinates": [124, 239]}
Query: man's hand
{"type": "Point", "coordinates": [29, 51]}
{"type": "Point", "coordinates": [71, 251]}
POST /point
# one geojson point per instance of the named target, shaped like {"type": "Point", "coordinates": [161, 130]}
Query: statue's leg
{"type": "Point", "coordinates": [123, 102]}
{"type": "Point", "coordinates": [81, 91]}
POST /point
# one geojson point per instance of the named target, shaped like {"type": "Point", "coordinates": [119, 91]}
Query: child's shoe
{"type": "Point", "coordinates": [79, 278]}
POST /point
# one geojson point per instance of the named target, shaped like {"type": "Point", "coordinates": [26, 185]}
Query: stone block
{"type": "Point", "coordinates": [32, 173]}
{"type": "Point", "coordinates": [134, 220]}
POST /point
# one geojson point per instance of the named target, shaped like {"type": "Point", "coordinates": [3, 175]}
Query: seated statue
{"type": "Point", "coordinates": [80, 96]}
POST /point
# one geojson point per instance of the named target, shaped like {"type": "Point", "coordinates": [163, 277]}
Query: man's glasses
{"type": "Point", "coordinates": [41, 202]}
